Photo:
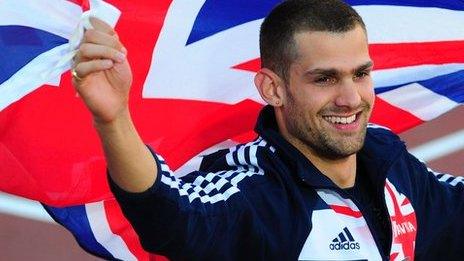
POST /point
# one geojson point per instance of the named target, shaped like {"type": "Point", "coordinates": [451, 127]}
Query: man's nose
{"type": "Point", "coordinates": [348, 95]}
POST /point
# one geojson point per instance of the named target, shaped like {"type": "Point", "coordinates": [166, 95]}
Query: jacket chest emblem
{"type": "Point", "coordinates": [404, 223]}
{"type": "Point", "coordinates": [339, 231]}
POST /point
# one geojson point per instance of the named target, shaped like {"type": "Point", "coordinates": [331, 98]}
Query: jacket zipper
{"type": "Point", "coordinates": [369, 224]}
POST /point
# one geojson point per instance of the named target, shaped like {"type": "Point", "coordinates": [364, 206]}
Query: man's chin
{"type": "Point", "coordinates": [346, 146]}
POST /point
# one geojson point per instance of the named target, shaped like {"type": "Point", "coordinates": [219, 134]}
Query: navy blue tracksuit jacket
{"type": "Point", "coordinates": [265, 201]}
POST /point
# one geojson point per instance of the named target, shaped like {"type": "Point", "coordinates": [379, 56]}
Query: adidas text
{"type": "Point", "coordinates": [344, 246]}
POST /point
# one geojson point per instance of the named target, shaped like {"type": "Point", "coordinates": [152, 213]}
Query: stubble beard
{"type": "Point", "coordinates": [322, 142]}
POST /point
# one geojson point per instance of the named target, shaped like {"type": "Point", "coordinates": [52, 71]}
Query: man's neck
{"type": "Point", "coordinates": [342, 171]}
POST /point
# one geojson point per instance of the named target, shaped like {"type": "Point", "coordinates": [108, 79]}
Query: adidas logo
{"type": "Point", "coordinates": [344, 241]}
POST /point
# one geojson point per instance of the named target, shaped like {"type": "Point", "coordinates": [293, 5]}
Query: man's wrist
{"type": "Point", "coordinates": [121, 123]}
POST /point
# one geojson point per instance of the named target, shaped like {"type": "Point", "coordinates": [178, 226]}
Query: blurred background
{"type": "Point", "coordinates": [27, 233]}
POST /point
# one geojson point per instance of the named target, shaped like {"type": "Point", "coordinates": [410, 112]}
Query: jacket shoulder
{"type": "Point", "coordinates": [382, 134]}
{"type": "Point", "coordinates": [242, 156]}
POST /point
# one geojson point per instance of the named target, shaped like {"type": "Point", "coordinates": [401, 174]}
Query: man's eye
{"type": "Point", "coordinates": [362, 74]}
{"type": "Point", "coordinates": [324, 80]}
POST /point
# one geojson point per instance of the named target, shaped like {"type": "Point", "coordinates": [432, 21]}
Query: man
{"type": "Point", "coordinates": [317, 184]}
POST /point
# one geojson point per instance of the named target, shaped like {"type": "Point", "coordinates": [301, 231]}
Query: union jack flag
{"type": "Point", "coordinates": [193, 64]}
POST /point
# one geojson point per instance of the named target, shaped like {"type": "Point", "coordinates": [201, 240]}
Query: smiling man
{"type": "Point", "coordinates": [317, 184]}
{"type": "Point", "coordinates": [324, 106]}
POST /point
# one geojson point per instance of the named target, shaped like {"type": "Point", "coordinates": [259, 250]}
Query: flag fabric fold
{"type": "Point", "coordinates": [193, 64]}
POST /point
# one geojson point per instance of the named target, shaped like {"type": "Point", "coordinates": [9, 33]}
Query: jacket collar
{"type": "Point", "coordinates": [377, 154]}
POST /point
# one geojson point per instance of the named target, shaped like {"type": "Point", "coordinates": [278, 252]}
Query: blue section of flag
{"type": "Point", "coordinates": [446, 4]}
{"type": "Point", "coordinates": [19, 45]}
{"type": "Point", "coordinates": [75, 220]}
{"type": "Point", "coordinates": [216, 16]}
{"type": "Point", "coordinates": [449, 85]}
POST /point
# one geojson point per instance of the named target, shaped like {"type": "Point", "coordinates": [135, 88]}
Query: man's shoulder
{"type": "Point", "coordinates": [241, 166]}
{"type": "Point", "coordinates": [243, 156]}
{"type": "Point", "coordinates": [382, 134]}
{"type": "Point", "coordinates": [382, 143]}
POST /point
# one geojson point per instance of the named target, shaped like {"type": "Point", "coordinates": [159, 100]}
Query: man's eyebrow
{"type": "Point", "coordinates": [332, 71]}
{"type": "Point", "coordinates": [365, 66]}
{"type": "Point", "coordinates": [322, 71]}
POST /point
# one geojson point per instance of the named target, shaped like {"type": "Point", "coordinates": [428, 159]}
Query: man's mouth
{"type": "Point", "coordinates": [345, 123]}
{"type": "Point", "coordinates": [341, 119]}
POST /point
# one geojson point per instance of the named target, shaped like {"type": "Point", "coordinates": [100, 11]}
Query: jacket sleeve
{"type": "Point", "coordinates": [440, 213]}
{"type": "Point", "coordinates": [191, 217]}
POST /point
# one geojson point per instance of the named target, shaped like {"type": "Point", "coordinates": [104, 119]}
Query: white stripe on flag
{"type": "Point", "coordinates": [21, 83]}
{"type": "Point", "coordinates": [55, 16]}
{"type": "Point", "coordinates": [22, 207]}
{"type": "Point", "coordinates": [418, 100]}
{"type": "Point", "coordinates": [201, 68]}
{"type": "Point", "coordinates": [394, 24]}
{"type": "Point", "coordinates": [102, 232]}
{"type": "Point", "coordinates": [400, 76]}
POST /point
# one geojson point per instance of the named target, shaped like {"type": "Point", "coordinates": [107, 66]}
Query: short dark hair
{"type": "Point", "coordinates": [277, 43]}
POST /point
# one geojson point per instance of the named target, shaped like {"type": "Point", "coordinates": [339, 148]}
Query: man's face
{"type": "Point", "coordinates": [329, 97]}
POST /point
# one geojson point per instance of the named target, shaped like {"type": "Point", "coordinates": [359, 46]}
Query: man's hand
{"type": "Point", "coordinates": [102, 74]}
{"type": "Point", "coordinates": [102, 77]}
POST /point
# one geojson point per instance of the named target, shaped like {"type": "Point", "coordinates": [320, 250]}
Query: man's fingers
{"type": "Point", "coordinates": [95, 51]}
{"type": "Point", "coordinates": [85, 68]}
{"type": "Point", "coordinates": [100, 38]}
{"type": "Point", "coordinates": [99, 51]}
{"type": "Point", "coordinates": [99, 25]}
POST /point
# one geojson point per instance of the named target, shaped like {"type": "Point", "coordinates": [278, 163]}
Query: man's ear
{"type": "Point", "coordinates": [270, 86]}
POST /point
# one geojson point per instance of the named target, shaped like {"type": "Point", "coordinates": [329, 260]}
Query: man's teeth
{"type": "Point", "coordinates": [340, 120]}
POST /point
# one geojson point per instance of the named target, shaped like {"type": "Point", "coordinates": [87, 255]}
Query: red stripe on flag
{"type": "Point", "coordinates": [83, 3]}
{"type": "Point", "coordinates": [245, 137]}
{"type": "Point", "coordinates": [396, 119]}
{"type": "Point", "coordinates": [346, 211]}
{"type": "Point", "coordinates": [192, 133]}
{"type": "Point", "coordinates": [252, 66]}
{"type": "Point", "coordinates": [15, 178]}
{"type": "Point", "coordinates": [388, 56]}
{"type": "Point", "coordinates": [121, 227]}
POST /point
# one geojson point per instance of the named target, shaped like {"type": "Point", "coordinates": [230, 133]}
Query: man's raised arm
{"type": "Point", "coordinates": [102, 77]}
